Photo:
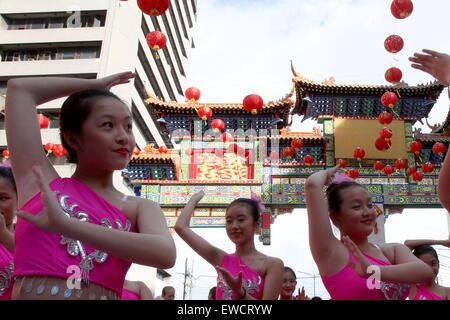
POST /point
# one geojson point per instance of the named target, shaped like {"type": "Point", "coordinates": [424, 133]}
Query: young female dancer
{"type": "Point", "coordinates": [288, 287]}
{"type": "Point", "coordinates": [246, 274]}
{"type": "Point", "coordinates": [78, 229]}
{"type": "Point", "coordinates": [8, 207]}
{"type": "Point", "coordinates": [428, 291]}
{"type": "Point", "coordinates": [345, 265]}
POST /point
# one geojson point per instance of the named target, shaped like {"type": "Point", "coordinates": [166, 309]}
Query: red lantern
{"type": "Point", "coordinates": [308, 160]}
{"type": "Point", "coordinates": [410, 171]}
{"type": "Point", "coordinates": [274, 156]}
{"type": "Point", "coordinates": [389, 99]}
{"type": "Point", "coordinates": [162, 149]}
{"type": "Point", "coordinates": [439, 148]}
{"type": "Point", "coordinates": [192, 94]}
{"type": "Point", "coordinates": [393, 43]}
{"type": "Point", "coordinates": [153, 7]}
{"type": "Point", "coordinates": [388, 170]}
{"type": "Point", "coordinates": [415, 147]}
{"type": "Point", "coordinates": [417, 176]}
{"type": "Point", "coordinates": [393, 75]}
{"type": "Point", "coordinates": [341, 163]}
{"type": "Point", "coordinates": [400, 164]}
{"type": "Point", "coordinates": [382, 144]}
{"type": "Point", "coordinates": [226, 136]}
{"type": "Point", "coordinates": [136, 151]}
{"type": "Point", "coordinates": [43, 121]}
{"type": "Point", "coordinates": [49, 147]}
{"type": "Point", "coordinates": [427, 167]}
{"type": "Point", "coordinates": [217, 125]}
{"type": "Point", "coordinates": [359, 153]}
{"type": "Point", "coordinates": [353, 173]}
{"type": "Point", "coordinates": [58, 150]}
{"type": "Point", "coordinates": [385, 117]}
{"type": "Point", "coordinates": [5, 153]}
{"type": "Point", "coordinates": [156, 40]}
{"type": "Point", "coordinates": [378, 166]}
{"type": "Point", "coordinates": [297, 144]}
{"type": "Point", "coordinates": [204, 112]}
{"type": "Point", "coordinates": [385, 133]}
{"type": "Point", "coordinates": [401, 9]}
{"type": "Point", "coordinates": [253, 103]}
{"type": "Point", "coordinates": [288, 152]}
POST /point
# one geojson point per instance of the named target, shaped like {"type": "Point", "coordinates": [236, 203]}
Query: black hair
{"type": "Point", "coordinates": [6, 173]}
{"type": "Point", "coordinates": [212, 292]}
{"type": "Point", "coordinates": [163, 293]}
{"type": "Point", "coordinates": [333, 194]}
{"type": "Point", "coordinates": [287, 269]}
{"type": "Point", "coordinates": [252, 204]}
{"type": "Point", "coordinates": [75, 110]}
{"type": "Point", "coordinates": [423, 249]}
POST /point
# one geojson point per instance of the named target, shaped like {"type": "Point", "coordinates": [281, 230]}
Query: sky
{"type": "Point", "coordinates": [244, 47]}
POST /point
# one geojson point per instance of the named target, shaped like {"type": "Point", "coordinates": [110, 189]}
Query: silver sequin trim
{"type": "Point", "coordinates": [394, 291]}
{"type": "Point", "coordinates": [5, 278]}
{"type": "Point", "coordinates": [251, 286]}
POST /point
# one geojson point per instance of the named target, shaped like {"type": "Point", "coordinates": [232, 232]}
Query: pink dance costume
{"type": "Point", "coordinates": [38, 252]}
{"type": "Point", "coordinates": [425, 294]}
{"type": "Point", "coordinates": [251, 280]}
{"type": "Point", "coordinates": [347, 285]}
{"type": "Point", "coordinates": [129, 295]}
{"type": "Point", "coordinates": [6, 271]}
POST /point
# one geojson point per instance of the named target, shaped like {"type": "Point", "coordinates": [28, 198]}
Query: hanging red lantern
{"type": "Point", "coordinates": [288, 152]}
{"type": "Point", "coordinates": [204, 112]}
{"type": "Point", "coordinates": [353, 173]}
{"type": "Point", "coordinates": [136, 151]}
{"type": "Point", "coordinates": [385, 117]}
{"type": "Point", "coordinates": [341, 163]}
{"type": "Point", "coordinates": [162, 149]}
{"type": "Point", "coordinates": [192, 94]}
{"type": "Point", "coordinates": [410, 171]}
{"type": "Point", "coordinates": [49, 147]}
{"type": "Point", "coordinates": [153, 7]}
{"type": "Point", "coordinates": [427, 167]}
{"type": "Point", "coordinates": [382, 144]}
{"type": "Point", "coordinates": [400, 164]}
{"type": "Point", "coordinates": [5, 153]}
{"type": "Point", "coordinates": [393, 43]}
{"type": "Point", "coordinates": [378, 166]}
{"type": "Point", "coordinates": [417, 176]}
{"type": "Point", "coordinates": [393, 75]}
{"type": "Point", "coordinates": [58, 150]}
{"type": "Point", "coordinates": [217, 125]}
{"type": "Point", "coordinates": [253, 103]}
{"type": "Point", "coordinates": [386, 133]}
{"type": "Point", "coordinates": [439, 148]}
{"type": "Point", "coordinates": [43, 121]}
{"type": "Point", "coordinates": [274, 156]}
{"type": "Point", "coordinates": [415, 147]}
{"type": "Point", "coordinates": [401, 9]}
{"type": "Point", "coordinates": [389, 99]}
{"type": "Point", "coordinates": [388, 170]}
{"type": "Point", "coordinates": [156, 40]}
{"type": "Point", "coordinates": [297, 144]}
{"type": "Point", "coordinates": [226, 137]}
{"type": "Point", "coordinates": [308, 160]}
{"type": "Point", "coordinates": [359, 153]}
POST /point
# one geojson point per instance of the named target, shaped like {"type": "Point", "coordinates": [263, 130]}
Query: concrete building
{"type": "Point", "coordinates": [91, 39]}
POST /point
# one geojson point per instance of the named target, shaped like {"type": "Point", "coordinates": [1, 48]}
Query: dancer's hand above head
{"type": "Point", "coordinates": [119, 78]}
{"type": "Point", "coordinates": [435, 63]}
{"type": "Point", "coordinates": [52, 217]}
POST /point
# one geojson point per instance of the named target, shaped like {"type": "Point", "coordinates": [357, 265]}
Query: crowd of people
{"type": "Point", "coordinates": [85, 225]}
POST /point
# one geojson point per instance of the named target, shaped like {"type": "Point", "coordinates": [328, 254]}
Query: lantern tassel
{"type": "Point", "coordinates": [156, 55]}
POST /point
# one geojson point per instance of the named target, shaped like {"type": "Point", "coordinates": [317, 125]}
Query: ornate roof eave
{"type": "Point", "coordinates": [441, 128]}
{"type": "Point", "coordinates": [330, 87]}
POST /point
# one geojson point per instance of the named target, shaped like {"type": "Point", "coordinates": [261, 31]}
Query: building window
{"type": "Point", "coordinates": [66, 53]}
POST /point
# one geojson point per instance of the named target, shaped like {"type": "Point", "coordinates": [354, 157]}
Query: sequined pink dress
{"type": "Point", "coordinates": [38, 252]}
{"type": "Point", "coordinates": [347, 285]}
{"type": "Point", "coordinates": [425, 294]}
{"type": "Point", "coordinates": [129, 295]}
{"type": "Point", "coordinates": [6, 270]}
{"type": "Point", "coordinates": [251, 280]}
